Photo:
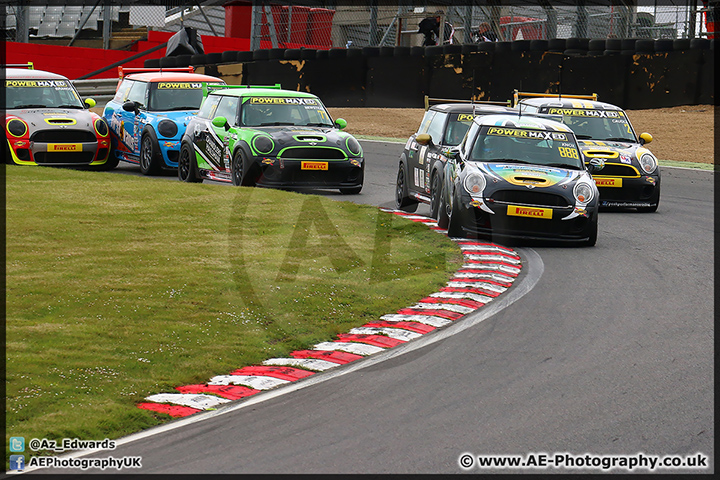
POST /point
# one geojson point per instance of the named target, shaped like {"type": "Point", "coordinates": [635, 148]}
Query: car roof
{"type": "Point", "coordinates": [477, 108]}
{"type": "Point", "coordinates": [260, 92]}
{"type": "Point", "coordinates": [26, 73]}
{"type": "Point", "coordinates": [569, 103]}
{"type": "Point", "coordinates": [154, 77]}
{"type": "Point", "coordinates": [521, 121]}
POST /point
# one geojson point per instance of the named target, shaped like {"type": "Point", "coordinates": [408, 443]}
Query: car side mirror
{"type": "Point", "coordinates": [221, 122]}
{"type": "Point", "coordinates": [424, 139]}
{"type": "Point", "coordinates": [645, 138]}
{"type": "Point", "coordinates": [90, 102]}
{"type": "Point", "coordinates": [595, 165]}
{"type": "Point", "coordinates": [341, 123]}
{"type": "Point", "coordinates": [131, 106]}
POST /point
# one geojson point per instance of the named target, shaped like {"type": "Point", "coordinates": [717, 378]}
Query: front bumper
{"type": "Point", "coordinates": [59, 154]}
{"type": "Point", "coordinates": [476, 222]}
{"type": "Point", "coordinates": [310, 173]}
{"type": "Point", "coordinates": [628, 192]}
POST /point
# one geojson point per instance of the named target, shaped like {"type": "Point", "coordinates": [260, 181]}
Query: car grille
{"type": "Point", "coordinates": [528, 197]}
{"type": "Point", "coordinates": [615, 170]}
{"type": "Point", "coordinates": [66, 158]}
{"type": "Point", "coordinates": [63, 136]}
{"type": "Point", "coordinates": [310, 153]}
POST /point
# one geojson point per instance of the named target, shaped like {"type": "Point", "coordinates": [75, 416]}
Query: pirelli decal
{"type": "Point", "coordinates": [578, 112]}
{"type": "Point", "coordinates": [64, 147]}
{"type": "Point", "coordinates": [532, 212]}
{"type": "Point", "coordinates": [178, 85]}
{"type": "Point", "coordinates": [314, 166]}
{"type": "Point", "coordinates": [520, 133]}
{"type": "Point", "coordinates": [608, 182]}
{"type": "Point", "coordinates": [282, 101]}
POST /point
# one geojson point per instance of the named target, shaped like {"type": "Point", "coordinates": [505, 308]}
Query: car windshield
{"type": "Point", "coordinates": [272, 111]}
{"type": "Point", "coordinates": [168, 96]}
{"type": "Point", "coordinates": [29, 93]}
{"type": "Point", "coordinates": [522, 145]}
{"type": "Point", "coordinates": [593, 124]}
{"type": "Point", "coordinates": [457, 126]}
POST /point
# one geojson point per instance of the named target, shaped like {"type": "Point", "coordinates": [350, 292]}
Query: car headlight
{"type": "Point", "coordinates": [648, 163]}
{"type": "Point", "coordinates": [474, 183]}
{"type": "Point", "coordinates": [263, 144]}
{"type": "Point", "coordinates": [101, 127]}
{"type": "Point", "coordinates": [583, 193]}
{"type": "Point", "coordinates": [167, 128]}
{"type": "Point", "coordinates": [353, 146]}
{"type": "Point", "coordinates": [17, 128]}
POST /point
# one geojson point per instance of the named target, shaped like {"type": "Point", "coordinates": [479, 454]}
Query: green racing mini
{"type": "Point", "coordinates": [269, 137]}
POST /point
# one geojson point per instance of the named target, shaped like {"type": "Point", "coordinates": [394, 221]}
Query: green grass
{"type": "Point", "coordinates": [119, 287]}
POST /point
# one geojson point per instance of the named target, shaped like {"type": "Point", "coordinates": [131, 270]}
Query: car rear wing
{"type": "Point", "coordinates": [207, 88]}
{"type": "Point", "coordinates": [126, 71]}
{"type": "Point", "coordinates": [429, 100]}
{"type": "Point", "coordinates": [28, 65]}
{"type": "Point", "coordinates": [518, 95]}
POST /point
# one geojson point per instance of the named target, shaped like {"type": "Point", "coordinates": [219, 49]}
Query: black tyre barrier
{"type": "Point", "coordinates": [681, 44]}
{"type": "Point", "coordinates": [354, 52]}
{"type": "Point", "coordinates": [276, 53]}
{"type": "Point", "coordinates": [486, 47]}
{"type": "Point", "coordinates": [400, 51]}
{"type": "Point", "coordinates": [520, 46]}
{"type": "Point", "coordinates": [712, 44]}
{"type": "Point", "coordinates": [260, 54]}
{"type": "Point", "coordinates": [322, 54]}
{"type": "Point", "coordinates": [292, 54]}
{"type": "Point", "coordinates": [198, 59]}
{"type": "Point", "coordinates": [664, 45]}
{"type": "Point", "coordinates": [244, 56]}
{"type": "Point", "coordinates": [575, 52]}
{"type": "Point", "coordinates": [214, 58]}
{"type": "Point", "coordinates": [469, 48]}
{"type": "Point", "coordinates": [152, 63]}
{"type": "Point", "coordinates": [538, 45]}
{"type": "Point", "coordinates": [433, 50]}
{"type": "Point", "coordinates": [387, 51]}
{"type": "Point", "coordinates": [573, 43]}
{"type": "Point", "coordinates": [371, 51]}
{"type": "Point", "coordinates": [556, 45]}
{"type": "Point", "coordinates": [452, 49]}
{"type": "Point", "coordinates": [417, 51]}
{"type": "Point", "coordinates": [308, 54]}
{"type": "Point", "coordinates": [611, 52]}
{"type": "Point", "coordinates": [337, 53]}
{"type": "Point", "coordinates": [167, 62]}
{"type": "Point", "coordinates": [700, 44]}
{"type": "Point", "coordinates": [503, 47]}
{"type": "Point", "coordinates": [595, 53]}
{"type": "Point", "coordinates": [645, 46]}
{"type": "Point", "coordinates": [183, 60]}
{"type": "Point", "coordinates": [628, 43]}
{"type": "Point", "coordinates": [597, 45]}
{"type": "Point", "coordinates": [628, 52]}
{"type": "Point", "coordinates": [613, 44]}
{"type": "Point", "coordinates": [584, 43]}
{"type": "Point", "coordinates": [229, 56]}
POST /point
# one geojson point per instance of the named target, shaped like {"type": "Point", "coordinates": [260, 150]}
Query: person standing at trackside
{"type": "Point", "coordinates": [485, 34]}
{"type": "Point", "coordinates": [430, 27]}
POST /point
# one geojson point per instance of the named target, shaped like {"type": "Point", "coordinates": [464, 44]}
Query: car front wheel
{"type": "Point", "coordinates": [149, 161]}
{"type": "Point", "coordinates": [402, 197]}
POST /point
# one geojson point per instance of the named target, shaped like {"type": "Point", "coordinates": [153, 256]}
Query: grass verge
{"type": "Point", "coordinates": [119, 287]}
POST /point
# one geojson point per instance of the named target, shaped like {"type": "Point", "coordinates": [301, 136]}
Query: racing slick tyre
{"type": "Point", "coordinates": [187, 165]}
{"type": "Point", "coordinates": [442, 215]}
{"type": "Point", "coordinates": [237, 168]}
{"type": "Point", "coordinates": [403, 201]}
{"type": "Point", "coordinates": [149, 156]}
{"type": "Point", "coordinates": [110, 164]}
{"type": "Point", "coordinates": [435, 195]}
{"type": "Point", "coordinates": [454, 229]}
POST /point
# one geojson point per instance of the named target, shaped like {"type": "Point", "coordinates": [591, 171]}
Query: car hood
{"type": "Point", "coordinates": [311, 135]}
{"type": "Point", "coordinates": [622, 152]}
{"type": "Point", "coordinates": [536, 176]}
{"type": "Point", "coordinates": [54, 118]}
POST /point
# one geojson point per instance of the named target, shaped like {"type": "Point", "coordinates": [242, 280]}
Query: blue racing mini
{"type": "Point", "coordinates": [149, 114]}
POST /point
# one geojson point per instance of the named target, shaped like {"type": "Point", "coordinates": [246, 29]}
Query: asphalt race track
{"type": "Point", "coordinates": [611, 353]}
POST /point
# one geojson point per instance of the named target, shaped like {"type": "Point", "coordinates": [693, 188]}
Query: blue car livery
{"type": "Point", "coordinates": [149, 114]}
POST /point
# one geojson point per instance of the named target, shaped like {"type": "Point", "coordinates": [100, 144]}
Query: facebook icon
{"type": "Point", "coordinates": [17, 462]}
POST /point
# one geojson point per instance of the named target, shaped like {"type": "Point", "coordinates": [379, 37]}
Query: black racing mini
{"type": "Point", "coordinates": [630, 177]}
{"type": "Point", "coordinates": [269, 137]}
